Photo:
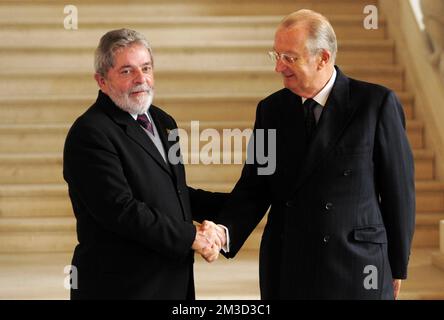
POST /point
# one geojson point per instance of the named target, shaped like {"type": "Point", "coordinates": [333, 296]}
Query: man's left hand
{"type": "Point", "coordinates": [396, 287]}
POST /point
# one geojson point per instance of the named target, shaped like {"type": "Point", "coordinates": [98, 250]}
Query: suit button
{"type": "Point", "coordinates": [178, 191]}
{"type": "Point", "coordinates": [347, 173]}
{"type": "Point", "coordinates": [326, 239]}
{"type": "Point", "coordinates": [290, 204]}
{"type": "Point", "coordinates": [328, 206]}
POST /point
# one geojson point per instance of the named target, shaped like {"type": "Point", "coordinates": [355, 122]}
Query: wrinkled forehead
{"type": "Point", "coordinates": [291, 39]}
{"type": "Point", "coordinates": [133, 55]}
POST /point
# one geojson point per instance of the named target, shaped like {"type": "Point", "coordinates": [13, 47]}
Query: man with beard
{"type": "Point", "coordinates": [133, 208]}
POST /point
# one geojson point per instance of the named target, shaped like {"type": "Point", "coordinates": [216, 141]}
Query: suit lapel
{"type": "Point", "coordinates": [292, 136]}
{"type": "Point", "coordinates": [335, 117]}
{"type": "Point", "coordinates": [132, 129]}
{"type": "Point", "coordinates": [163, 132]}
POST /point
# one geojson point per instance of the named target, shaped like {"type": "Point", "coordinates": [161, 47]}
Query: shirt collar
{"type": "Point", "coordinates": [322, 96]}
{"type": "Point", "coordinates": [134, 115]}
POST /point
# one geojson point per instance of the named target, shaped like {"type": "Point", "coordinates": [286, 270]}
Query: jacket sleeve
{"type": "Point", "coordinates": [94, 173]}
{"type": "Point", "coordinates": [395, 182]}
{"type": "Point", "coordinates": [250, 199]}
{"type": "Point", "coordinates": [205, 205]}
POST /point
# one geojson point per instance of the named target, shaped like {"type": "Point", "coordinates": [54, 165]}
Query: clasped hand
{"type": "Point", "coordinates": [210, 238]}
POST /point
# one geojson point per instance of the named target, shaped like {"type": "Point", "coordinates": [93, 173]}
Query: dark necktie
{"type": "Point", "coordinates": [143, 120]}
{"type": "Point", "coordinates": [310, 120]}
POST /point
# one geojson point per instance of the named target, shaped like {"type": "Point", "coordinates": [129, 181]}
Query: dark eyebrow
{"type": "Point", "coordinates": [125, 66]}
{"type": "Point", "coordinates": [130, 66]}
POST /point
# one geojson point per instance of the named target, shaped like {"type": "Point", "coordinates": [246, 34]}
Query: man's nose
{"type": "Point", "coordinates": [139, 77]}
{"type": "Point", "coordinates": [280, 66]}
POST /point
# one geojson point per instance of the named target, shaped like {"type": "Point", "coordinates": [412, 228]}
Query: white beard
{"type": "Point", "coordinates": [133, 105]}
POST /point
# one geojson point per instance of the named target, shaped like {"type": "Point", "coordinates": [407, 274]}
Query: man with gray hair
{"type": "Point", "coordinates": [342, 199]}
{"type": "Point", "coordinates": [133, 208]}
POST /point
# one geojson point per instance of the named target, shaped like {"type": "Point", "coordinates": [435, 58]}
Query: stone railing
{"type": "Point", "coordinates": [420, 75]}
{"type": "Point", "coordinates": [433, 18]}
{"type": "Point", "coordinates": [438, 258]}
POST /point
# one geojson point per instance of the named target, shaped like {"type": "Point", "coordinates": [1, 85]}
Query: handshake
{"type": "Point", "coordinates": [210, 238]}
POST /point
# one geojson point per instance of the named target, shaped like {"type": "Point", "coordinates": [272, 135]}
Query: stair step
{"type": "Point", "coordinates": [230, 172]}
{"type": "Point", "coordinates": [424, 165]}
{"type": "Point", "coordinates": [47, 168]}
{"type": "Point", "coordinates": [34, 200]}
{"type": "Point", "coordinates": [429, 194]}
{"type": "Point", "coordinates": [438, 260]}
{"type": "Point", "coordinates": [436, 294]}
{"type": "Point", "coordinates": [415, 132]}
{"type": "Point", "coordinates": [31, 168]}
{"type": "Point", "coordinates": [185, 107]}
{"type": "Point", "coordinates": [233, 54]}
{"type": "Point", "coordinates": [35, 138]}
{"type": "Point", "coordinates": [429, 219]}
{"type": "Point", "coordinates": [427, 229]}
{"type": "Point", "coordinates": [259, 80]}
{"type": "Point", "coordinates": [40, 234]}
{"type": "Point", "coordinates": [224, 72]}
{"type": "Point", "coordinates": [45, 14]}
{"type": "Point", "coordinates": [182, 107]}
{"type": "Point", "coordinates": [55, 234]}
{"type": "Point", "coordinates": [424, 219]}
{"type": "Point", "coordinates": [38, 199]}
{"type": "Point", "coordinates": [164, 30]}
{"type": "Point", "coordinates": [50, 224]}
{"type": "Point", "coordinates": [32, 138]}
{"type": "Point", "coordinates": [426, 232]}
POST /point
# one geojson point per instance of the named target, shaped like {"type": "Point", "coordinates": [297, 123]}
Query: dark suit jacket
{"type": "Point", "coordinates": [134, 212]}
{"type": "Point", "coordinates": [346, 203]}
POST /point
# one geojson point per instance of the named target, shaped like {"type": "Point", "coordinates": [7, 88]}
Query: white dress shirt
{"type": "Point", "coordinates": [158, 143]}
{"type": "Point", "coordinates": [321, 99]}
{"type": "Point", "coordinates": [155, 138]}
{"type": "Point", "coordinates": [322, 96]}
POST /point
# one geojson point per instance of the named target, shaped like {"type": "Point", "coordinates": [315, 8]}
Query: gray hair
{"type": "Point", "coordinates": [321, 35]}
{"type": "Point", "coordinates": [113, 41]}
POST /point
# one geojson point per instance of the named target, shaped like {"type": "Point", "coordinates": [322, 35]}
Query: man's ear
{"type": "Point", "coordinates": [100, 80]}
{"type": "Point", "coordinates": [324, 59]}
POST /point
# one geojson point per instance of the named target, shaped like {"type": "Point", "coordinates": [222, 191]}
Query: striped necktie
{"type": "Point", "coordinates": [143, 120]}
{"type": "Point", "coordinates": [310, 120]}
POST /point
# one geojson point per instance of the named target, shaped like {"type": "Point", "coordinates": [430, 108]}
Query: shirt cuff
{"type": "Point", "coordinates": [226, 247]}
